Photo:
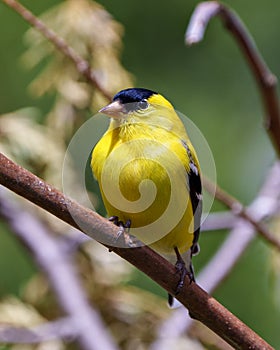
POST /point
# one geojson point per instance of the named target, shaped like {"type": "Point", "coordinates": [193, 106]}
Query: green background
{"type": "Point", "coordinates": [210, 83]}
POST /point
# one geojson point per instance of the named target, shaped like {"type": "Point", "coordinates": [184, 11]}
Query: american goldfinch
{"type": "Point", "coordinates": [149, 176]}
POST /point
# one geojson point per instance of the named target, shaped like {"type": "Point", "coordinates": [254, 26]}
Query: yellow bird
{"type": "Point", "coordinates": [149, 176]}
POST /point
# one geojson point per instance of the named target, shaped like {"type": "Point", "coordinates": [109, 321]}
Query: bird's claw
{"type": "Point", "coordinates": [123, 229]}
{"type": "Point", "coordinates": [115, 220]}
{"type": "Point", "coordinates": [182, 270]}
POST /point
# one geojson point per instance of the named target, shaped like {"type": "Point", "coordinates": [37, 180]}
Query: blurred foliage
{"type": "Point", "coordinates": [209, 82]}
{"type": "Point", "coordinates": [100, 47]}
{"type": "Point", "coordinates": [36, 146]}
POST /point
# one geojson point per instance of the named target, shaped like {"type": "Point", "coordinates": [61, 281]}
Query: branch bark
{"type": "Point", "coordinates": [201, 305]}
{"type": "Point", "coordinates": [266, 81]}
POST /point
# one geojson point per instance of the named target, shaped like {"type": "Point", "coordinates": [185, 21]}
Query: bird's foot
{"type": "Point", "coordinates": [183, 271]}
{"type": "Point", "coordinates": [115, 220]}
{"type": "Point", "coordinates": [123, 233]}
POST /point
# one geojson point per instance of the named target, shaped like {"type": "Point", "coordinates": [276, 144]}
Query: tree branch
{"type": "Point", "coordinates": [61, 273]}
{"type": "Point", "coordinates": [200, 305]}
{"type": "Point", "coordinates": [266, 81]}
{"type": "Point", "coordinates": [82, 65]}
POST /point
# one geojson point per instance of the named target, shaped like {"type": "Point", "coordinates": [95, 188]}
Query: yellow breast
{"type": "Point", "coordinates": [144, 179]}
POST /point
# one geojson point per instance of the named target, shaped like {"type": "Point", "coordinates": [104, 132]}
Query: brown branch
{"type": "Point", "coordinates": [81, 64]}
{"type": "Point", "coordinates": [266, 81]}
{"type": "Point", "coordinates": [200, 305]}
{"type": "Point", "coordinates": [238, 209]}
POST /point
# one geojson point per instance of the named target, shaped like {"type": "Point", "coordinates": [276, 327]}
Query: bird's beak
{"type": "Point", "coordinates": [114, 110]}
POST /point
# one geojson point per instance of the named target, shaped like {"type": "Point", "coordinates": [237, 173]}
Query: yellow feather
{"type": "Point", "coordinates": [141, 157]}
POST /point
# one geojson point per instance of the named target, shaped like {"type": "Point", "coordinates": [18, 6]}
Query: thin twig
{"type": "Point", "coordinates": [238, 209]}
{"type": "Point", "coordinates": [201, 305]}
{"type": "Point", "coordinates": [81, 64]}
{"type": "Point", "coordinates": [266, 81]}
{"type": "Point", "coordinates": [218, 221]}
{"type": "Point", "coordinates": [61, 273]}
{"type": "Point", "coordinates": [266, 204]}
{"type": "Point", "coordinates": [62, 328]}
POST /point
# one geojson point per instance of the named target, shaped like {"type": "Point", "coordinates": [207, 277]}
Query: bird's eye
{"type": "Point", "coordinates": [142, 104]}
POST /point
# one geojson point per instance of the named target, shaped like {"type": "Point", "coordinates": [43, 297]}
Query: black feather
{"type": "Point", "coordinates": [195, 189]}
{"type": "Point", "coordinates": [133, 95]}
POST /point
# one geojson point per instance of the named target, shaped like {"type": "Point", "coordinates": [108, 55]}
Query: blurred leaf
{"type": "Point", "coordinates": [90, 30]}
{"type": "Point", "coordinates": [36, 147]}
{"type": "Point", "coordinates": [14, 312]}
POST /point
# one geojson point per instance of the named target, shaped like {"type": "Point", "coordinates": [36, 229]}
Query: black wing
{"type": "Point", "coordinates": [195, 189]}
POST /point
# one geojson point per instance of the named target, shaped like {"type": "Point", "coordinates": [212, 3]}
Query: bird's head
{"type": "Point", "coordinates": [139, 106]}
{"type": "Point", "coordinates": [133, 102]}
